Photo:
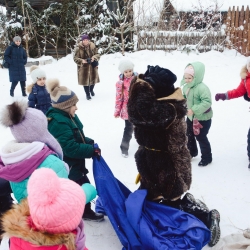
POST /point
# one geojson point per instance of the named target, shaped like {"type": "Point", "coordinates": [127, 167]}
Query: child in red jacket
{"type": "Point", "coordinates": [126, 67]}
{"type": "Point", "coordinates": [242, 90]}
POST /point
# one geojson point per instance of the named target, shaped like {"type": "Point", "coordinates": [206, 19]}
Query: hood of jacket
{"type": "Point", "coordinates": [15, 223]}
{"type": "Point", "coordinates": [199, 72]}
{"type": "Point", "coordinates": [244, 73]}
{"type": "Point", "coordinates": [18, 165]}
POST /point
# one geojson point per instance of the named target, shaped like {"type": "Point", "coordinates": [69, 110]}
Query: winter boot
{"type": "Point", "coordinates": [249, 166]}
{"type": "Point", "coordinates": [23, 88]}
{"type": "Point", "coordinates": [86, 89]}
{"type": "Point", "coordinates": [214, 220]}
{"type": "Point", "coordinates": [91, 88]}
{"type": "Point", "coordinates": [204, 163]}
{"type": "Point", "coordinates": [90, 215]}
{"type": "Point", "coordinates": [12, 93]}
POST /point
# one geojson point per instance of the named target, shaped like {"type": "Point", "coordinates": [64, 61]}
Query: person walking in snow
{"type": "Point", "coordinates": [199, 115]}
{"type": "Point", "coordinates": [126, 67]}
{"type": "Point", "coordinates": [66, 127]}
{"type": "Point", "coordinates": [86, 57]}
{"type": "Point", "coordinates": [51, 217]}
{"type": "Point", "coordinates": [16, 58]}
{"type": "Point", "coordinates": [242, 90]}
{"type": "Point", "coordinates": [39, 97]}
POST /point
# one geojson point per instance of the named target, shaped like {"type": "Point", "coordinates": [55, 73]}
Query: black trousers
{"type": "Point", "coordinates": [127, 135]}
{"type": "Point", "coordinates": [13, 86]}
{"type": "Point", "coordinates": [82, 180]}
{"type": "Point", "coordinates": [248, 144]}
{"type": "Point", "coordinates": [202, 139]}
{"type": "Point", "coordinates": [88, 89]}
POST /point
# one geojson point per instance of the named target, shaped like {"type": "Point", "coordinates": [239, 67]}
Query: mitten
{"type": "Point", "coordinates": [97, 153]}
{"type": "Point", "coordinates": [222, 97]}
{"type": "Point", "coordinates": [196, 126]}
{"type": "Point", "coordinates": [90, 192]}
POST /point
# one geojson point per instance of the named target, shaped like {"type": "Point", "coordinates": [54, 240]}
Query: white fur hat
{"type": "Point", "coordinates": [36, 73]}
{"type": "Point", "coordinates": [125, 64]}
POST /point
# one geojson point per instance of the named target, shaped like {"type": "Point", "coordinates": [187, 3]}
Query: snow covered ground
{"type": "Point", "coordinates": [223, 185]}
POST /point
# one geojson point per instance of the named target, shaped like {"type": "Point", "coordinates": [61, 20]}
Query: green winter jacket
{"type": "Point", "coordinates": [69, 133]}
{"type": "Point", "coordinates": [198, 94]}
{"type": "Point", "coordinates": [20, 188]}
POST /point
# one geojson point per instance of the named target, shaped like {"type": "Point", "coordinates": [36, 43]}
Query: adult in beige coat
{"type": "Point", "coordinates": [86, 57]}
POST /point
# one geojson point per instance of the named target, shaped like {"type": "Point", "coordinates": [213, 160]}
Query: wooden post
{"type": "Point", "coordinates": [240, 29]}
{"type": "Point", "coordinates": [245, 40]}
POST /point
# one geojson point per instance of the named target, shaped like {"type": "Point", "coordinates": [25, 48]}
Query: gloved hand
{"type": "Point", "coordinates": [88, 60]}
{"type": "Point", "coordinates": [219, 96]}
{"type": "Point", "coordinates": [97, 153]}
{"type": "Point", "coordinates": [196, 126]}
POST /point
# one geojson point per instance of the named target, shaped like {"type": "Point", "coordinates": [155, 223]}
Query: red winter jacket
{"type": "Point", "coordinates": [243, 87]}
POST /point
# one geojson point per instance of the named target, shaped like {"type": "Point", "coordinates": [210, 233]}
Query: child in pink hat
{"type": "Point", "coordinates": [51, 216]}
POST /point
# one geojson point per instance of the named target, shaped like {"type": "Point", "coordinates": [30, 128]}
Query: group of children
{"type": "Point", "coordinates": [35, 149]}
{"type": "Point", "coordinates": [199, 105]}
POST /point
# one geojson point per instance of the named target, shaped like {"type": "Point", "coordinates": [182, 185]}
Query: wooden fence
{"type": "Point", "coordinates": [238, 29]}
{"type": "Point", "coordinates": [178, 40]}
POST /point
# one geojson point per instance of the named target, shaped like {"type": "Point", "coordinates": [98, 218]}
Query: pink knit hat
{"type": "Point", "coordinates": [56, 204]}
{"type": "Point", "coordinates": [189, 70]}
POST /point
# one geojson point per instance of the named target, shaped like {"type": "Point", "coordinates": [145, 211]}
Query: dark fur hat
{"type": "Point", "coordinates": [162, 80]}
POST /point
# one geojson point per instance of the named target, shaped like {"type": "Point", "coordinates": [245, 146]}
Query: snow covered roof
{"type": "Point", "coordinates": [184, 5]}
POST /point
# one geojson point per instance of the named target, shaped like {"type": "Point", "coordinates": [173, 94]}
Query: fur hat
{"type": "Point", "coordinates": [162, 80]}
{"type": "Point", "coordinates": [17, 39]}
{"type": "Point", "coordinates": [84, 37]}
{"type": "Point", "coordinates": [125, 64]}
{"type": "Point", "coordinates": [56, 204]}
{"type": "Point", "coordinates": [28, 125]}
{"type": "Point", "coordinates": [189, 70]}
{"type": "Point", "coordinates": [61, 97]}
{"type": "Point", "coordinates": [36, 73]}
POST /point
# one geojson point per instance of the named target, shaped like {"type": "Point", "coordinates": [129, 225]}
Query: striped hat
{"type": "Point", "coordinates": [61, 97]}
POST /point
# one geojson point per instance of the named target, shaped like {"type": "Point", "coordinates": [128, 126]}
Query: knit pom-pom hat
{"type": "Point", "coordinates": [28, 125]}
{"type": "Point", "coordinates": [56, 204]}
{"type": "Point", "coordinates": [61, 97]}
{"type": "Point", "coordinates": [36, 73]}
{"type": "Point", "coordinates": [125, 64]}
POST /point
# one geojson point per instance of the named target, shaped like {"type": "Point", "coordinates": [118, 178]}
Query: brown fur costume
{"type": "Point", "coordinates": [162, 159]}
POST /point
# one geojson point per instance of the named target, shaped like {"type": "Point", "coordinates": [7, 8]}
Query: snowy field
{"type": "Point", "coordinates": [224, 184]}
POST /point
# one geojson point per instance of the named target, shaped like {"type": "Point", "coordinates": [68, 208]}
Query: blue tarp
{"type": "Point", "coordinates": [141, 224]}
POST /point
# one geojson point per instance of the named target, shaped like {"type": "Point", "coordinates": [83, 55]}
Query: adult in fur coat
{"type": "Point", "coordinates": [242, 90]}
{"type": "Point", "coordinates": [86, 57]}
{"type": "Point", "coordinates": [157, 110]}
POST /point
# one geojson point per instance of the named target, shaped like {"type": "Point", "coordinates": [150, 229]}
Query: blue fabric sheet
{"type": "Point", "coordinates": [141, 224]}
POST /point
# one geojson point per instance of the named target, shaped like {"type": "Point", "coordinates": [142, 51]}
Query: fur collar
{"type": "Point", "coordinates": [177, 95]}
{"type": "Point", "coordinates": [91, 46]}
{"type": "Point", "coordinates": [15, 224]}
{"type": "Point", "coordinates": [244, 72]}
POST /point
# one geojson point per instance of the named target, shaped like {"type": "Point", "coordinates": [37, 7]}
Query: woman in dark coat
{"type": "Point", "coordinates": [16, 57]}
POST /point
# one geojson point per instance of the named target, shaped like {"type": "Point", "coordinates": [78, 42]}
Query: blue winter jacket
{"type": "Point", "coordinates": [17, 58]}
{"type": "Point", "coordinates": [39, 98]}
